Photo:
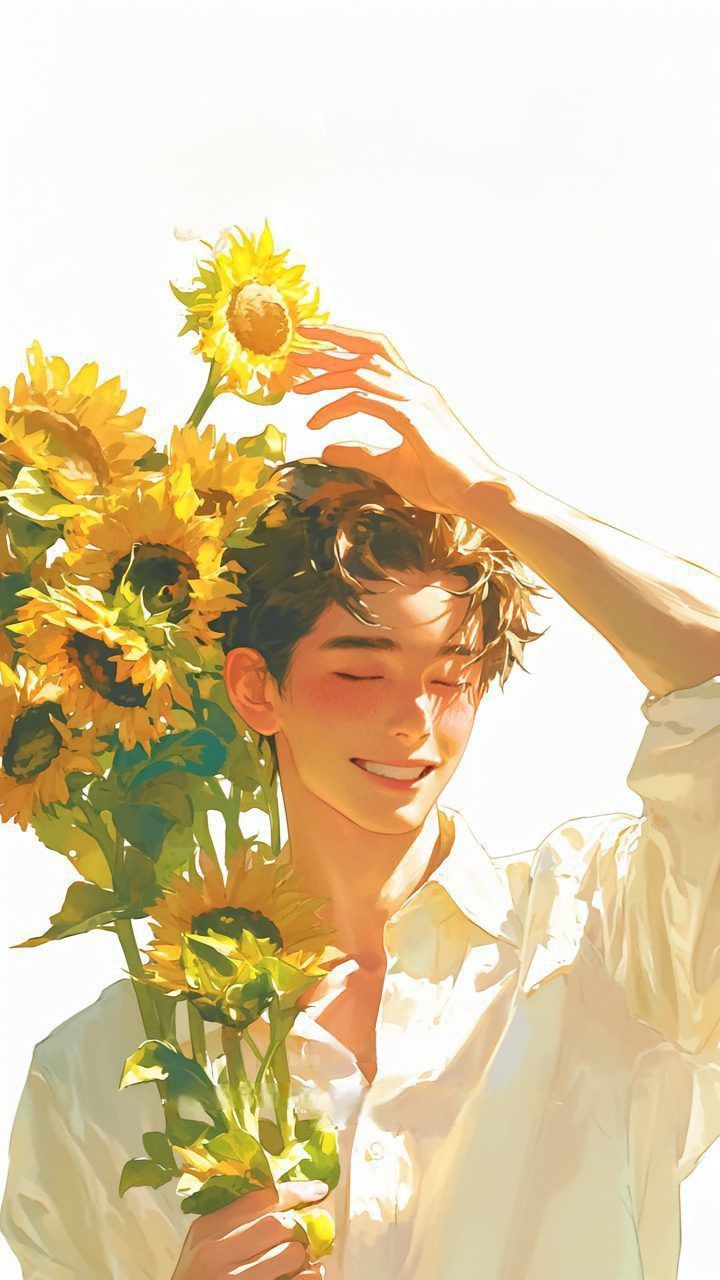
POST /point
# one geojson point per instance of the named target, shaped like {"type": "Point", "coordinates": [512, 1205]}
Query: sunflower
{"type": "Point", "coordinates": [152, 545]}
{"type": "Point", "coordinates": [227, 480]}
{"type": "Point", "coordinates": [71, 428]}
{"type": "Point", "coordinates": [38, 745]}
{"type": "Point", "coordinates": [232, 944]}
{"type": "Point", "coordinates": [111, 675]}
{"type": "Point", "coordinates": [246, 305]}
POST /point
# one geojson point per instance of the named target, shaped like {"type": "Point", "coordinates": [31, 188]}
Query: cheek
{"type": "Point", "coordinates": [330, 703]}
{"type": "Point", "coordinates": [455, 724]}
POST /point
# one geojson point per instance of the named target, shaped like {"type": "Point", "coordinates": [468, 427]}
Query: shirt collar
{"type": "Point", "coordinates": [469, 876]}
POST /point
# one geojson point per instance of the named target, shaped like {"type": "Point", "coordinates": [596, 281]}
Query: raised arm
{"type": "Point", "coordinates": [661, 613]}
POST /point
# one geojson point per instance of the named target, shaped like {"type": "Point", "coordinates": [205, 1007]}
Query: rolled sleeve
{"type": "Point", "coordinates": [660, 886]}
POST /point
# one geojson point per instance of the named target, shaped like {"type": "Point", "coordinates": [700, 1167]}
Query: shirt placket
{"type": "Point", "coordinates": [379, 1165]}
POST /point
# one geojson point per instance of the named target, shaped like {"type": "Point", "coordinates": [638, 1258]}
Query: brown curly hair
{"type": "Point", "coordinates": [331, 531]}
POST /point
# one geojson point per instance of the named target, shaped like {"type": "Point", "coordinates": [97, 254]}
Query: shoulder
{"type": "Point", "coordinates": [567, 857]}
{"type": "Point", "coordinates": [92, 1044]}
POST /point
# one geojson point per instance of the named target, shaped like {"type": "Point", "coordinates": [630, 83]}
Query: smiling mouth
{"type": "Point", "coordinates": [403, 775]}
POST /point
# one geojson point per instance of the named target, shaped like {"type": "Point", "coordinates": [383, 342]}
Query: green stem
{"type": "Point", "coordinates": [207, 397]}
{"type": "Point", "coordinates": [265, 1063]}
{"type": "Point", "coordinates": [281, 1072]}
{"type": "Point", "coordinates": [197, 1035]}
{"type": "Point", "coordinates": [232, 820]}
{"type": "Point", "coordinates": [146, 1004]}
{"type": "Point", "coordinates": [252, 1045]}
{"type": "Point", "coordinates": [274, 811]}
{"type": "Point", "coordinates": [202, 831]}
{"type": "Point", "coordinates": [238, 1083]}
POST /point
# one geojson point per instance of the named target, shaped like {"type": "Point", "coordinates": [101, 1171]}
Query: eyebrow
{"type": "Point", "coordinates": [385, 643]}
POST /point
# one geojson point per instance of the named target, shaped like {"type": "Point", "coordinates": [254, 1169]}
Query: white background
{"type": "Point", "coordinates": [523, 194]}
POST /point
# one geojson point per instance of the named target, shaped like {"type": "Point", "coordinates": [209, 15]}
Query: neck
{"type": "Point", "coordinates": [363, 876]}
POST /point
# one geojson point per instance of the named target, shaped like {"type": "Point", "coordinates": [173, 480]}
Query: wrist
{"type": "Point", "coordinates": [495, 502]}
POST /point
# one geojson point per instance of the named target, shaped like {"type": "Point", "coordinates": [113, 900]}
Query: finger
{"type": "Point", "coordinates": [338, 381]}
{"type": "Point", "coordinates": [359, 402]}
{"type": "Point", "coordinates": [256, 1203]}
{"type": "Point", "coordinates": [324, 360]}
{"type": "Point", "coordinates": [292, 1194]}
{"type": "Point", "coordinates": [358, 456]}
{"type": "Point", "coordinates": [284, 1260]}
{"type": "Point", "coordinates": [252, 1240]}
{"type": "Point", "coordinates": [357, 340]}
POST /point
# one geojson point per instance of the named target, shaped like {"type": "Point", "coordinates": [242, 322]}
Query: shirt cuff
{"type": "Point", "coordinates": [686, 709]}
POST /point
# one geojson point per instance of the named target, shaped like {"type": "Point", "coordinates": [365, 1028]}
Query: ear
{"type": "Point", "coordinates": [248, 683]}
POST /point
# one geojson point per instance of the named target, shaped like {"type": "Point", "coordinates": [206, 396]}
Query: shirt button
{"type": "Point", "coordinates": [376, 1151]}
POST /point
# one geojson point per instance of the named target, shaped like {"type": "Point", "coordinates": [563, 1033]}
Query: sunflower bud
{"type": "Point", "coordinates": [315, 1229]}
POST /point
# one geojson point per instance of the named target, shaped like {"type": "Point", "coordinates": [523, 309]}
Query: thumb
{"type": "Point", "coordinates": [355, 455]}
{"type": "Point", "coordinates": [291, 1194]}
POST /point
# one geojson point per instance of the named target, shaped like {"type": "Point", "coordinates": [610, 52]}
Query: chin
{"type": "Point", "coordinates": [389, 820]}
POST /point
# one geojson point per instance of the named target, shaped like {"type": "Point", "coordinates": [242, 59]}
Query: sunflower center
{"type": "Point", "coordinates": [93, 658]}
{"type": "Point", "coordinates": [159, 573]}
{"type": "Point", "coordinates": [33, 743]}
{"type": "Point", "coordinates": [230, 922]}
{"type": "Point", "coordinates": [258, 317]}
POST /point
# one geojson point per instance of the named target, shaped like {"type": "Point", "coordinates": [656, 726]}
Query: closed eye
{"type": "Point", "coordinates": [445, 684]}
{"type": "Point", "coordinates": [347, 675]}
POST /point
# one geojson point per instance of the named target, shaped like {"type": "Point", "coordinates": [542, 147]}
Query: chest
{"type": "Point", "coordinates": [351, 1017]}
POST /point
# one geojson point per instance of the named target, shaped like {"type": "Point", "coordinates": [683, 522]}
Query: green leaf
{"type": "Point", "coordinates": [183, 1133]}
{"type": "Point", "coordinates": [103, 794]}
{"type": "Point", "coordinates": [159, 1149]}
{"type": "Point", "coordinates": [223, 1188]}
{"type": "Point", "coordinates": [29, 540]}
{"type": "Point", "coordinates": [32, 496]}
{"type": "Point", "coordinates": [219, 722]}
{"type": "Point", "coordinates": [184, 1078]}
{"type": "Point", "coordinates": [321, 1144]}
{"type": "Point", "coordinates": [153, 460]}
{"type": "Point", "coordinates": [218, 1192]}
{"type": "Point", "coordinates": [10, 584]}
{"type": "Point", "coordinates": [186, 296]}
{"type": "Point", "coordinates": [79, 835]}
{"type": "Point", "coordinates": [135, 881]}
{"type": "Point", "coordinates": [86, 907]}
{"type": "Point", "coordinates": [270, 1136]}
{"type": "Point", "coordinates": [144, 1173]}
{"type": "Point", "coordinates": [215, 957]}
{"type": "Point", "coordinates": [269, 443]}
{"type": "Point", "coordinates": [177, 853]}
{"type": "Point", "coordinates": [196, 751]}
{"type": "Point", "coordinates": [150, 811]}
{"type": "Point", "coordinates": [261, 397]}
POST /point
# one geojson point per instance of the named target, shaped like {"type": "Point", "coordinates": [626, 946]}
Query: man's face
{"type": "Point", "coordinates": [364, 702]}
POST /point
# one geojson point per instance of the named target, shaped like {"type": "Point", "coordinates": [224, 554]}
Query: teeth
{"type": "Point", "coordinates": [400, 772]}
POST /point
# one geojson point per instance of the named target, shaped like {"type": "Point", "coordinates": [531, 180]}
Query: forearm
{"type": "Point", "coordinates": [660, 612]}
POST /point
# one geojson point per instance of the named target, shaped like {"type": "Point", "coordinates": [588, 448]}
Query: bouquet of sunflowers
{"type": "Point", "coordinates": [119, 745]}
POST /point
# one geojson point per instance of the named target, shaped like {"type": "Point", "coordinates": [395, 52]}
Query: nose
{"type": "Point", "coordinates": [411, 718]}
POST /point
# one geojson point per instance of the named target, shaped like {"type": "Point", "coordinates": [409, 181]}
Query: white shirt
{"type": "Point", "coordinates": [548, 1049]}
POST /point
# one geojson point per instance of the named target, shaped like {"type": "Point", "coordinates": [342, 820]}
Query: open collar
{"type": "Point", "coordinates": [469, 876]}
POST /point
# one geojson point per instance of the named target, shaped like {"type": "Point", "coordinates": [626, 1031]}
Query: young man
{"type": "Point", "coordinates": [521, 1054]}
